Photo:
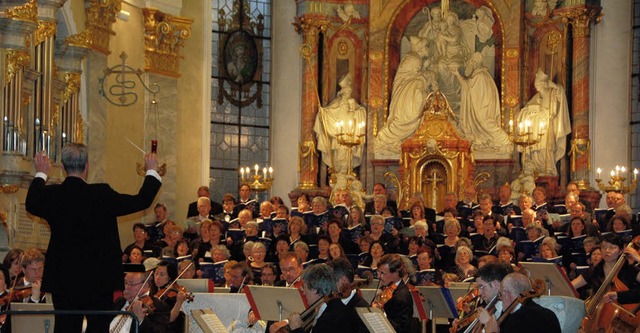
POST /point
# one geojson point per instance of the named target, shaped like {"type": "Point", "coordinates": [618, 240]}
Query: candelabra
{"type": "Point", "coordinates": [258, 183]}
{"type": "Point", "coordinates": [617, 182]}
{"type": "Point", "coordinates": [353, 137]}
{"type": "Point", "coordinates": [525, 136]}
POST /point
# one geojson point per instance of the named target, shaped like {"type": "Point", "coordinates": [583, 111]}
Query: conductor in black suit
{"type": "Point", "coordinates": [84, 234]}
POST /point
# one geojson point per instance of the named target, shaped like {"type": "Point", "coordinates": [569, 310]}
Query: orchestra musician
{"type": "Point", "coordinates": [163, 276]}
{"type": "Point", "coordinates": [344, 273]}
{"type": "Point", "coordinates": [399, 307]}
{"type": "Point", "coordinates": [152, 314]}
{"type": "Point", "coordinates": [83, 222]}
{"type": "Point", "coordinates": [525, 317]}
{"type": "Point", "coordinates": [488, 278]}
{"type": "Point", "coordinates": [320, 285]}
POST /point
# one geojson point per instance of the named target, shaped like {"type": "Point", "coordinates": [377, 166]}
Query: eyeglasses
{"type": "Point", "coordinates": [131, 284]}
{"type": "Point", "coordinates": [484, 285]}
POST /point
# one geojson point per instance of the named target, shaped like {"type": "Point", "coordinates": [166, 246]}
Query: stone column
{"type": "Point", "coordinates": [580, 20]}
{"type": "Point", "coordinates": [310, 26]}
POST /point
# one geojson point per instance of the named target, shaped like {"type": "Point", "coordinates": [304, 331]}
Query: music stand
{"type": "Point", "coordinates": [439, 302]}
{"type": "Point", "coordinates": [558, 283]}
{"type": "Point", "coordinates": [275, 303]}
{"type": "Point", "coordinates": [375, 320]}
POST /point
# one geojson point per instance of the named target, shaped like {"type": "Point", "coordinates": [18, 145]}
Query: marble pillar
{"type": "Point", "coordinates": [310, 26]}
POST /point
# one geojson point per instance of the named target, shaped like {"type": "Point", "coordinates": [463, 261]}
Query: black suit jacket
{"type": "Point", "coordinates": [155, 322]}
{"type": "Point", "coordinates": [216, 209]}
{"type": "Point", "coordinates": [335, 318]}
{"type": "Point", "coordinates": [84, 232]}
{"type": "Point", "coordinates": [399, 308]}
{"type": "Point", "coordinates": [629, 297]}
{"type": "Point", "coordinates": [357, 302]}
{"type": "Point", "coordinates": [533, 318]}
{"type": "Point", "coordinates": [369, 208]}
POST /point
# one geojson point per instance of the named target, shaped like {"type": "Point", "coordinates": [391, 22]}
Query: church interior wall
{"type": "Point", "coordinates": [610, 88]}
{"type": "Point", "coordinates": [285, 100]}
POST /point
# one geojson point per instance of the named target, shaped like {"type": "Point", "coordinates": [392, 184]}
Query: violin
{"type": "Point", "coordinates": [468, 298]}
{"type": "Point", "coordinates": [472, 322]}
{"type": "Point", "coordinates": [384, 295]}
{"type": "Point", "coordinates": [172, 292]}
{"type": "Point", "coordinates": [16, 295]}
{"type": "Point", "coordinates": [147, 303]}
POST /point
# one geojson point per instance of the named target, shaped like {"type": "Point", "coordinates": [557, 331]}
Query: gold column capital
{"type": "Point", "coordinates": [15, 60]}
{"type": "Point", "coordinates": [101, 14]}
{"type": "Point", "coordinates": [45, 29]}
{"type": "Point", "coordinates": [310, 25]}
{"type": "Point", "coordinates": [580, 19]}
{"type": "Point", "coordinates": [72, 79]}
{"type": "Point", "coordinates": [82, 39]}
{"type": "Point", "coordinates": [27, 12]}
{"type": "Point", "coordinates": [164, 37]}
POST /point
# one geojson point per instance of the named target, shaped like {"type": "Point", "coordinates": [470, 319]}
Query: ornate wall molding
{"type": "Point", "coordinates": [15, 61]}
{"type": "Point", "coordinates": [45, 29]}
{"type": "Point", "coordinates": [27, 12]}
{"type": "Point", "coordinates": [101, 14]}
{"type": "Point", "coordinates": [164, 37]}
{"type": "Point", "coordinates": [73, 85]}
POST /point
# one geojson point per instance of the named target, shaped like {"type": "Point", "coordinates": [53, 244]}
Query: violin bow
{"type": "Point", "coordinates": [176, 279]}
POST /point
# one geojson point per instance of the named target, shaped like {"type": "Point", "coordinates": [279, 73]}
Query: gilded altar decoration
{"type": "Point", "coordinates": [164, 37]}
{"type": "Point", "coordinates": [79, 128]}
{"type": "Point", "coordinates": [101, 14]}
{"type": "Point", "coordinates": [436, 159]}
{"type": "Point", "coordinates": [27, 12]}
{"type": "Point", "coordinates": [73, 85]}
{"type": "Point", "coordinates": [45, 29]}
{"type": "Point", "coordinates": [82, 39]}
{"type": "Point", "coordinates": [16, 60]}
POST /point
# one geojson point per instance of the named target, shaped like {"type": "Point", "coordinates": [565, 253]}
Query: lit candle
{"type": "Point", "coordinates": [527, 126]}
{"type": "Point", "coordinates": [350, 127]}
{"type": "Point", "coordinates": [241, 172]}
{"type": "Point", "coordinates": [64, 138]}
{"type": "Point", "coordinates": [256, 168]}
{"type": "Point", "coordinates": [270, 172]}
{"type": "Point", "coordinates": [623, 169]}
{"type": "Point", "coordinates": [613, 173]}
{"type": "Point", "coordinates": [520, 128]}
{"type": "Point", "coordinates": [247, 171]}
{"type": "Point", "coordinates": [510, 125]}
{"type": "Point", "coordinates": [599, 172]}
{"type": "Point", "coordinates": [617, 169]}
{"type": "Point", "coordinates": [264, 172]}
{"type": "Point", "coordinates": [635, 174]}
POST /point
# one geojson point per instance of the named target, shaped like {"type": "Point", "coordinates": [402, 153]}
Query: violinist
{"type": "Point", "coordinates": [525, 317]}
{"type": "Point", "coordinates": [12, 262]}
{"type": "Point", "coordinates": [488, 278]}
{"type": "Point", "coordinates": [612, 247]}
{"type": "Point", "coordinates": [173, 296]}
{"type": "Point", "coordinates": [236, 275]}
{"type": "Point", "coordinates": [319, 282]}
{"type": "Point", "coordinates": [399, 307]}
{"type": "Point", "coordinates": [5, 322]}
{"type": "Point", "coordinates": [152, 314]}
{"type": "Point", "coordinates": [32, 264]}
{"type": "Point", "coordinates": [344, 273]}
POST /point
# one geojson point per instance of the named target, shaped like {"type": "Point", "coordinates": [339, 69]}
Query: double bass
{"type": "Point", "coordinates": [603, 317]}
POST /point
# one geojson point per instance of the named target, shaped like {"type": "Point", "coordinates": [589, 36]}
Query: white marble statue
{"type": "Point", "coordinates": [549, 107]}
{"type": "Point", "coordinates": [411, 85]}
{"type": "Point", "coordinates": [342, 108]}
{"type": "Point", "coordinates": [480, 111]}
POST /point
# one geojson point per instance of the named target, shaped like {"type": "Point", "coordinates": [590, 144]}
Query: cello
{"type": "Point", "coordinates": [603, 317]}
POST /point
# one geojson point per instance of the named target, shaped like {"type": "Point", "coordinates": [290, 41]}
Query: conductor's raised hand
{"type": "Point", "coordinates": [151, 161]}
{"type": "Point", "coordinates": [42, 163]}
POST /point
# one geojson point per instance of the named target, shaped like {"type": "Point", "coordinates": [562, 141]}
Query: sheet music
{"type": "Point", "coordinates": [209, 321]}
{"type": "Point", "coordinates": [375, 320]}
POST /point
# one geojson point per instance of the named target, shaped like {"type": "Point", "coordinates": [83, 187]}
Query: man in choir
{"type": "Point", "coordinates": [192, 224]}
{"type": "Point", "coordinates": [137, 299]}
{"type": "Point", "coordinates": [319, 281]}
{"type": "Point", "coordinates": [485, 204]}
{"type": "Point", "coordinates": [32, 265]}
{"type": "Point", "coordinates": [141, 240]}
{"type": "Point", "coordinates": [505, 205]}
{"type": "Point", "coordinates": [572, 187]}
{"type": "Point", "coordinates": [291, 268]}
{"type": "Point", "coordinates": [228, 209]}
{"type": "Point", "coordinates": [526, 317]}
{"type": "Point", "coordinates": [489, 238]}
{"type": "Point", "coordinates": [376, 206]}
{"type": "Point", "coordinates": [154, 230]}
{"type": "Point", "coordinates": [236, 275]}
{"type": "Point", "coordinates": [450, 201]}
{"type": "Point", "coordinates": [203, 191]}
{"type": "Point", "coordinates": [468, 203]}
{"type": "Point", "coordinates": [380, 188]}
{"type": "Point", "coordinates": [399, 309]}
{"type": "Point", "coordinates": [84, 215]}
{"type": "Point", "coordinates": [245, 201]}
